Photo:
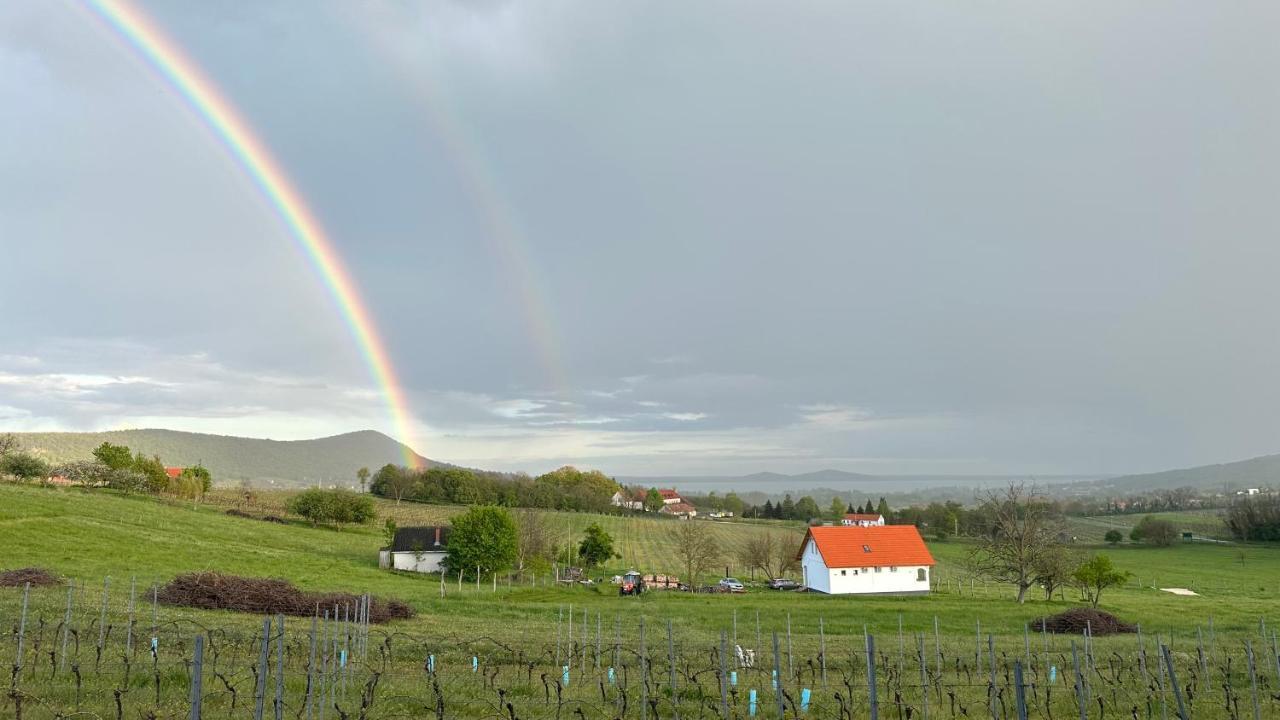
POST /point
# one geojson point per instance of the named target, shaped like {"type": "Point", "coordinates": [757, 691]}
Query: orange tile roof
{"type": "Point", "coordinates": [844, 546]}
{"type": "Point", "coordinates": [173, 472]}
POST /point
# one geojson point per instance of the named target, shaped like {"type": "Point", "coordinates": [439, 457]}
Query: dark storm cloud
{"type": "Point", "coordinates": [917, 238]}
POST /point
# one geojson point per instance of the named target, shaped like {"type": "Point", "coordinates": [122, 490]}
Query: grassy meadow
{"type": "Point", "coordinates": [89, 536]}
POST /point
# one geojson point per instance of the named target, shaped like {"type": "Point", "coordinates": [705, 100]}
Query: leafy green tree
{"type": "Point", "coordinates": [1113, 537]}
{"type": "Point", "coordinates": [389, 529]}
{"type": "Point", "coordinates": [484, 536]}
{"type": "Point", "coordinates": [1098, 574]}
{"type": "Point", "coordinates": [653, 501]}
{"type": "Point", "coordinates": [200, 474]}
{"type": "Point", "coordinates": [315, 505]}
{"type": "Point", "coordinates": [155, 479]}
{"type": "Point", "coordinates": [24, 466]}
{"type": "Point", "coordinates": [836, 511]}
{"type": "Point", "coordinates": [363, 476]}
{"type": "Point", "coordinates": [596, 546]}
{"type": "Point", "coordinates": [350, 507]}
{"type": "Point", "coordinates": [806, 509]}
{"type": "Point", "coordinates": [734, 504]}
{"type": "Point", "coordinates": [116, 457]}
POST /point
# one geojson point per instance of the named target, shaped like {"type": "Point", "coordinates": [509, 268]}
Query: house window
{"type": "Point", "coordinates": [843, 573]}
{"type": "Point", "coordinates": [866, 548]}
{"type": "Point", "coordinates": [879, 569]}
{"type": "Point", "coordinates": [922, 575]}
{"type": "Point", "coordinates": [893, 569]}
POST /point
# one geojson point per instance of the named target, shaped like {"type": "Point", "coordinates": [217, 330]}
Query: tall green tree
{"type": "Point", "coordinates": [881, 509]}
{"type": "Point", "coordinates": [788, 508]}
{"type": "Point", "coordinates": [836, 511]}
{"type": "Point", "coordinates": [363, 476]}
{"type": "Point", "coordinates": [484, 536]}
{"type": "Point", "coordinates": [116, 457]}
{"type": "Point", "coordinates": [653, 500]}
{"type": "Point", "coordinates": [596, 546]}
{"type": "Point", "coordinates": [806, 509]}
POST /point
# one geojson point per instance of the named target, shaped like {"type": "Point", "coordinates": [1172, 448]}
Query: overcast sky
{"type": "Point", "coordinates": [672, 237]}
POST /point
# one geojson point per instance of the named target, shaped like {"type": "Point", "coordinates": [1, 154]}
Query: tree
{"type": "Point", "coordinates": [116, 457]}
{"type": "Point", "coordinates": [881, 509]}
{"type": "Point", "coordinates": [696, 549]}
{"type": "Point", "coordinates": [24, 466]}
{"type": "Point", "coordinates": [484, 537]}
{"type": "Point", "coordinates": [200, 474]}
{"type": "Point", "coordinates": [155, 479]}
{"type": "Point", "coordinates": [836, 510]}
{"type": "Point", "coordinates": [771, 553]}
{"type": "Point", "coordinates": [1022, 531]}
{"type": "Point", "coordinates": [596, 546]}
{"type": "Point", "coordinates": [806, 509]}
{"type": "Point", "coordinates": [767, 512]}
{"type": "Point", "coordinates": [363, 476]}
{"type": "Point", "coordinates": [389, 528]}
{"type": "Point", "coordinates": [9, 444]}
{"type": "Point", "coordinates": [653, 501]}
{"type": "Point", "coordinates": [1113, 537]}
{"type": "Point", "coordinates": [85, 473]}
{"type": "Point", "coordinates": [788, 511]}
{"type": "Point", "coordinates": [393, 481]}
{"type": "Point", "coordinates": [314, 504]}
{"type": "Point", "coordinates": [1054, 568]}
{"type": "Point", "coordinates": [533, 542]}
{"type": "Point", "coordinates": [1098, 574]}
{"type": "Point", "coordinates": [332, 506]}
{"type": "Point", "coordinates": [1154, 531]}
{"type": "Point", "coordinates": [734, 504]}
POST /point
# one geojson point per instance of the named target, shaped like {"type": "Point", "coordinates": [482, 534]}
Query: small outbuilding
{"type": "Point", "coordinates": [862, 519]}
{"type": "Point", "coordinates": [416, 549]}
{"type": "Point", "coordinates": [865, 560]}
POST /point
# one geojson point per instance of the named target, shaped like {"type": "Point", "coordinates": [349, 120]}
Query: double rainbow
{"type": "Point", "coordinates": [224, 121]}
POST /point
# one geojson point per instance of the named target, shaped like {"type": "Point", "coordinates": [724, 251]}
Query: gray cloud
{"type": "Point", "coordinates": [681, 238]}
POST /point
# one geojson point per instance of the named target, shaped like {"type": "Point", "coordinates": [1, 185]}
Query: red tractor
{"type": "Point", "coordinates": [632, 583]}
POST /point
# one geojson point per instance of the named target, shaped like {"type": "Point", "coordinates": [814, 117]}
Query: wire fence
{"type": "Point", "coordinates": [85, 656]}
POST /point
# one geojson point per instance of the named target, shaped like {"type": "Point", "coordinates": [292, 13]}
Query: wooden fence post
{"type": "Point", "coordinates": [873, 701]}
{"type": "Point", "coordinates": [197, 677]}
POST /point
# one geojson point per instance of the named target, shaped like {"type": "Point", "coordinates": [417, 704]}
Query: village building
{"type": "Point", "coordinates": [682, 510]}
{"type": "Point", "coordinates": [862, 519]}
{"type": "Point", "coordinates": [416, 549]}
{"type": "Point", "coordinates": [865, 560]}
{"type": "Point", "coordinates": [635, 500]}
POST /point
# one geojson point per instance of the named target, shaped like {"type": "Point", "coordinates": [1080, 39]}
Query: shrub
{"type": "Point", "coordinates": [24, 466]}
{"type": "Point", "coordinates": [332, 506]}
{"type": "Point", "coordinates": [216, 591]}
{"type": "Point", "coordinates": [1113, 536]}
{"type": "Point", "coordinates": [1153, 531]}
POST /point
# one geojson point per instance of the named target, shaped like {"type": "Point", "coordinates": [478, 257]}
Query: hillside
{"type": "Point", "coordinates": [1256, 472]}
{"type": "Point", "coordinates": [232, 459]}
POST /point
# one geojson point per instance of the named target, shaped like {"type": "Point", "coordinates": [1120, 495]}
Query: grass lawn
{"type": "Point", "coordinates": [88, 536]}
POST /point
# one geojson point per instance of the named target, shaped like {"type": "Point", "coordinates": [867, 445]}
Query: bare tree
{"type": "Point", "coordinates": [533, 540]}
{"type": "Point", "coordinates": [9, 444]}
{"type": "Point", "coordinates": [1022, 533]}
{"type": "Point", "coordinates": [696, 549]}
{"type": "Point", "coordinates": [773, 554]}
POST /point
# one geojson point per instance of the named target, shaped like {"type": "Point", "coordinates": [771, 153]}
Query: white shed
{"type": "Point", "coordinates": [867, 560]}
{"type": "Point", "coordinates": [416, 549]}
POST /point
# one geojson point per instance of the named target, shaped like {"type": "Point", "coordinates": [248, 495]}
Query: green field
{"type": "Point", "coordinates": [89, 536]}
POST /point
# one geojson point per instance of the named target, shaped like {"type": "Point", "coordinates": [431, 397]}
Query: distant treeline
{"type": "Point", "coordinates": [565, 489]}
{"type": "Point", "coordinates": [1255, 517]}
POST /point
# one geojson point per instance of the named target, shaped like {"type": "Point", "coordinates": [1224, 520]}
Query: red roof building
{"type": "Point", "coordinates": [870, 559]}
{"type": "Point", "coordinates": [173, 472]}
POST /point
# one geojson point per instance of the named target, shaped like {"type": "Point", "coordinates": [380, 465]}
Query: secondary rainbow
{"type": "Point", "coordinates": [224, 121]}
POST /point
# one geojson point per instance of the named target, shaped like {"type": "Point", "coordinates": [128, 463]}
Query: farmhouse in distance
{"type": "Point", "coordinates": [416, 549]}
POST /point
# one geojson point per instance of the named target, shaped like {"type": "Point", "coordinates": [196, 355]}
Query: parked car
{"type": "Point", "coordinates": [783, 584]}
{"type": "Point", "coordinates": [732, 585]}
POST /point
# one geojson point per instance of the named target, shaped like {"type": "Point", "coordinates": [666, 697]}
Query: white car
{"type": "Point", "coordinates": [732, 585]}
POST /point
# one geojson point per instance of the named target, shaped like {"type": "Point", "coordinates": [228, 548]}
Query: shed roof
{"type": "Point", "coordinates": [844, 546]}
{"type": "Point", "coordinates": [431, 538]}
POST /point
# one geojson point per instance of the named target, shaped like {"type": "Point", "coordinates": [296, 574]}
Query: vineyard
{"type": "Point", "coordinates": [114, 652]}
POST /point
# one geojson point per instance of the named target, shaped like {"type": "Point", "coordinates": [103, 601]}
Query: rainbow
{"type": "Point", "coordinates": [221, 117]}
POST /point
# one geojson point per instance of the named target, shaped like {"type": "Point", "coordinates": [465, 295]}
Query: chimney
{"type": "Point", "coordinates": [437, 536]}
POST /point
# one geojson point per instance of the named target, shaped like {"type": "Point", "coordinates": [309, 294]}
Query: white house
{"type": "Point", "coordinates": [866, 560]}
{"type": "Point", "coordinates": [679, 509]}
{"type": "Point", "coordinates": [863, 519]}
{"type": "Point", "coordinates": [628, 501]}
{"type": "Point", "coordinates": [416, 549]}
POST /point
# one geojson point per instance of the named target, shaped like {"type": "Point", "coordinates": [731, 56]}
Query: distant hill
{"type": "Point", "coordinates": [232, 459]}
{"type": "Point", "coordinates": [1255, 472]}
